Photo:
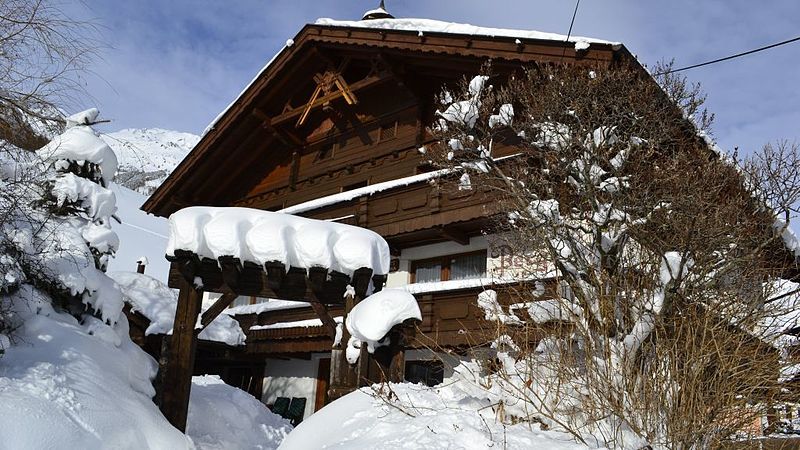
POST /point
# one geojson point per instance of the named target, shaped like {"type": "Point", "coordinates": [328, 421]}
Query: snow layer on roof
{"type": "Point", "coordinates": [264, 236]}
{"type": "Point", "coordinates": [439, 286]}
{"type": "Point", "coordinates": [270, 305]}
{"type": "Point", "coordinates": [366, 190]}
{"type": "Point", "coordinates": [157, 302]}
{"type": "Point", "coordinates": [790, 239]}
{"type": "Point", "coordinates": [438, 26]}
{"type": "Point", "coordinates": [307, 323]}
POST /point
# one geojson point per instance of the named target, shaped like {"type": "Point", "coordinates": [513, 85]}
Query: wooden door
{"type": "Point", "coordinates": [323, 377]}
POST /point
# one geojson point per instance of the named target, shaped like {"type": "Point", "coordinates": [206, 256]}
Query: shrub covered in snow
{"type": "Point", "coordinates": [661, 243]}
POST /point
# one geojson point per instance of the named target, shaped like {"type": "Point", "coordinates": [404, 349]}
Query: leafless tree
{"type": "Point", "coordinates": [659, 320]}
{"type": "Point", "coordinates": [43, 53]}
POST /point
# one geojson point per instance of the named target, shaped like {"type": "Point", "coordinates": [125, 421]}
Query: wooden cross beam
{"type": "Point", "coordinates": [319, 98]}
{"type": "Point", "coordinates": [214, 311]}
{"type": "Point", "coordinates": [454, 235]}
{"type": "Point", "coordinates": [286, 137]}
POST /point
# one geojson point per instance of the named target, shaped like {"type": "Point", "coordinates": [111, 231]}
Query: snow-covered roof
{"type": "Point", "coordinates": [270, 305]}
{"type": "Point", "coordinates": [438, 26]}
{"type": "Point", "coordinates": [451, 285]}
{"type": "Point", "coordinates": [306, 323]}
{"type": "Point", "coordinates": [421, 26]}
{"type": "Point", "coordinates": [154, 300]}
{"type": "Point", "coordinates": [263, 236]}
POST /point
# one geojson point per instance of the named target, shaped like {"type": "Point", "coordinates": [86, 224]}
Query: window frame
{"type": "Point", "coordinates": [444, 261]}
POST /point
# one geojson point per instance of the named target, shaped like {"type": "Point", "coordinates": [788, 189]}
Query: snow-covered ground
{"type": "Point", "coordinates": [72, 385]}
{"type": "Point", "coordinates": [453, 415]}
{"type": "Point", "coordinates": [222, 417]}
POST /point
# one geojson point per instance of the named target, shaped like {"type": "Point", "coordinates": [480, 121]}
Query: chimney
{"type": "Point", "coordinates": [141, 263]}
{"type": "Point", "coordinates": [377, 13]}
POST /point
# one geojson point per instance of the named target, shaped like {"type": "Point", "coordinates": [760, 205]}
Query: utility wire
{"type": "Point", "coordinates": [571, 23]}
{"type": "Point", "coordinates": [738, 55]}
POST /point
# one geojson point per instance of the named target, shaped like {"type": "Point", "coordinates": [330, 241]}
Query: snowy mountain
{"type": "Point", "coordinates": [147, 155]}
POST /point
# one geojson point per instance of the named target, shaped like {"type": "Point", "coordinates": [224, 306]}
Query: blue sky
{"type": "Point", "coordinates": [176, 64]}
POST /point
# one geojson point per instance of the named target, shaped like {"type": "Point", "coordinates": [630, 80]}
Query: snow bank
{"type": "Point", "coordinates": [372, 318]}
{"type": "Point", "coordinates": [78, 386]}
{"type": "Point", "coordinates": [452, 415]}
{"type": "Point", "coordinates": [224, 417]}
{"type": "Point", "coordinates": [157, 302]}
{"type": "Point", "coordinates": [81, 143]}
{"type": "Point", "coordinates": [437, 26]}
{"type": "Point", "coordinates": [263, 236]}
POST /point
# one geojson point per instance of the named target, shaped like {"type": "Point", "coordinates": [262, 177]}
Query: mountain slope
{"type": "Point", "coordinates": [147, 155]}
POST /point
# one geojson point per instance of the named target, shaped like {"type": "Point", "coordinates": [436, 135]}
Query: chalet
{"type": "Point", "coordinates": [331, 128]}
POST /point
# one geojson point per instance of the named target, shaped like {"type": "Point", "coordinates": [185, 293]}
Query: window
{"type": "Point", "coordinates": [429, 373]}
{"type": "Point", "coordinates": [388, 131]}
{"type": "Point", "coordinates": [452, 267]}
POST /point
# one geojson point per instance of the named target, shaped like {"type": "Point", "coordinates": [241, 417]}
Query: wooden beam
{"type": "Point", "coordinates": [176, 379]}
{"type": "Point", "coordinates": [211, 313]}
{"type": "Point", "coordinates": [322, 313]}
{"type": "Point", "coordinates": [288, 138]}
{"type": "Point", "coordinates": [361, 84]}
{"type": "Point", "coordinates": [454, 235]}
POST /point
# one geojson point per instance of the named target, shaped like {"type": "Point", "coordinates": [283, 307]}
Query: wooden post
{"type": "Point", "coordinates": [397, 350]}
{"type": "Point", "coordinates": [344, 377]}
{"type": "Point", "coordinates": [178, 363]}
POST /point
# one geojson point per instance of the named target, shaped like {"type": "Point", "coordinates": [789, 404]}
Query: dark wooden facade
{"type": "Point", "coordinates": [344, 108]}
{"type": "Point", "coordinates": [340, 109]}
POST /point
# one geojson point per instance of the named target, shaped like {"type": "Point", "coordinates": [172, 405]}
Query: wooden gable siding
{"type": "Point", "coordinates": [353, 149]}
{"type": "Point", "coordinates": [437, 55]}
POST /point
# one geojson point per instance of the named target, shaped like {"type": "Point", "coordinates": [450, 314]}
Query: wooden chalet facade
{"type": "Point", "coordinates": [331, 129]}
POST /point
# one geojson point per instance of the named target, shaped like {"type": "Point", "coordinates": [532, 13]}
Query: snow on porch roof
{"type": "Point", "coordinates": [263, 236]}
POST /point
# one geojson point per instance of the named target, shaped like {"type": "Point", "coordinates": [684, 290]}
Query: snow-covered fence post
{"type": "Point", "coordinates": [177, 366]}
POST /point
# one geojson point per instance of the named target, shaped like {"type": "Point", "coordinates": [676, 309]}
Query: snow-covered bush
{"type": "Point", "coordinates": [661, 245]}
{"type": "Point", "coordinates": [55, 232]}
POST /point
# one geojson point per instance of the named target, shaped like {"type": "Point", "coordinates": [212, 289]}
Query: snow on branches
{"type": "Point", "coordinates": [56, 230]}
{"type": "Point", "coordinates": [662, 244]}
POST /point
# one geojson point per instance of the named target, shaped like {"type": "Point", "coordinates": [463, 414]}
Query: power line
{"type": "Point", "coordinates": [738, 55]}
{"type": "Point", "coordinates": [571, 23]}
